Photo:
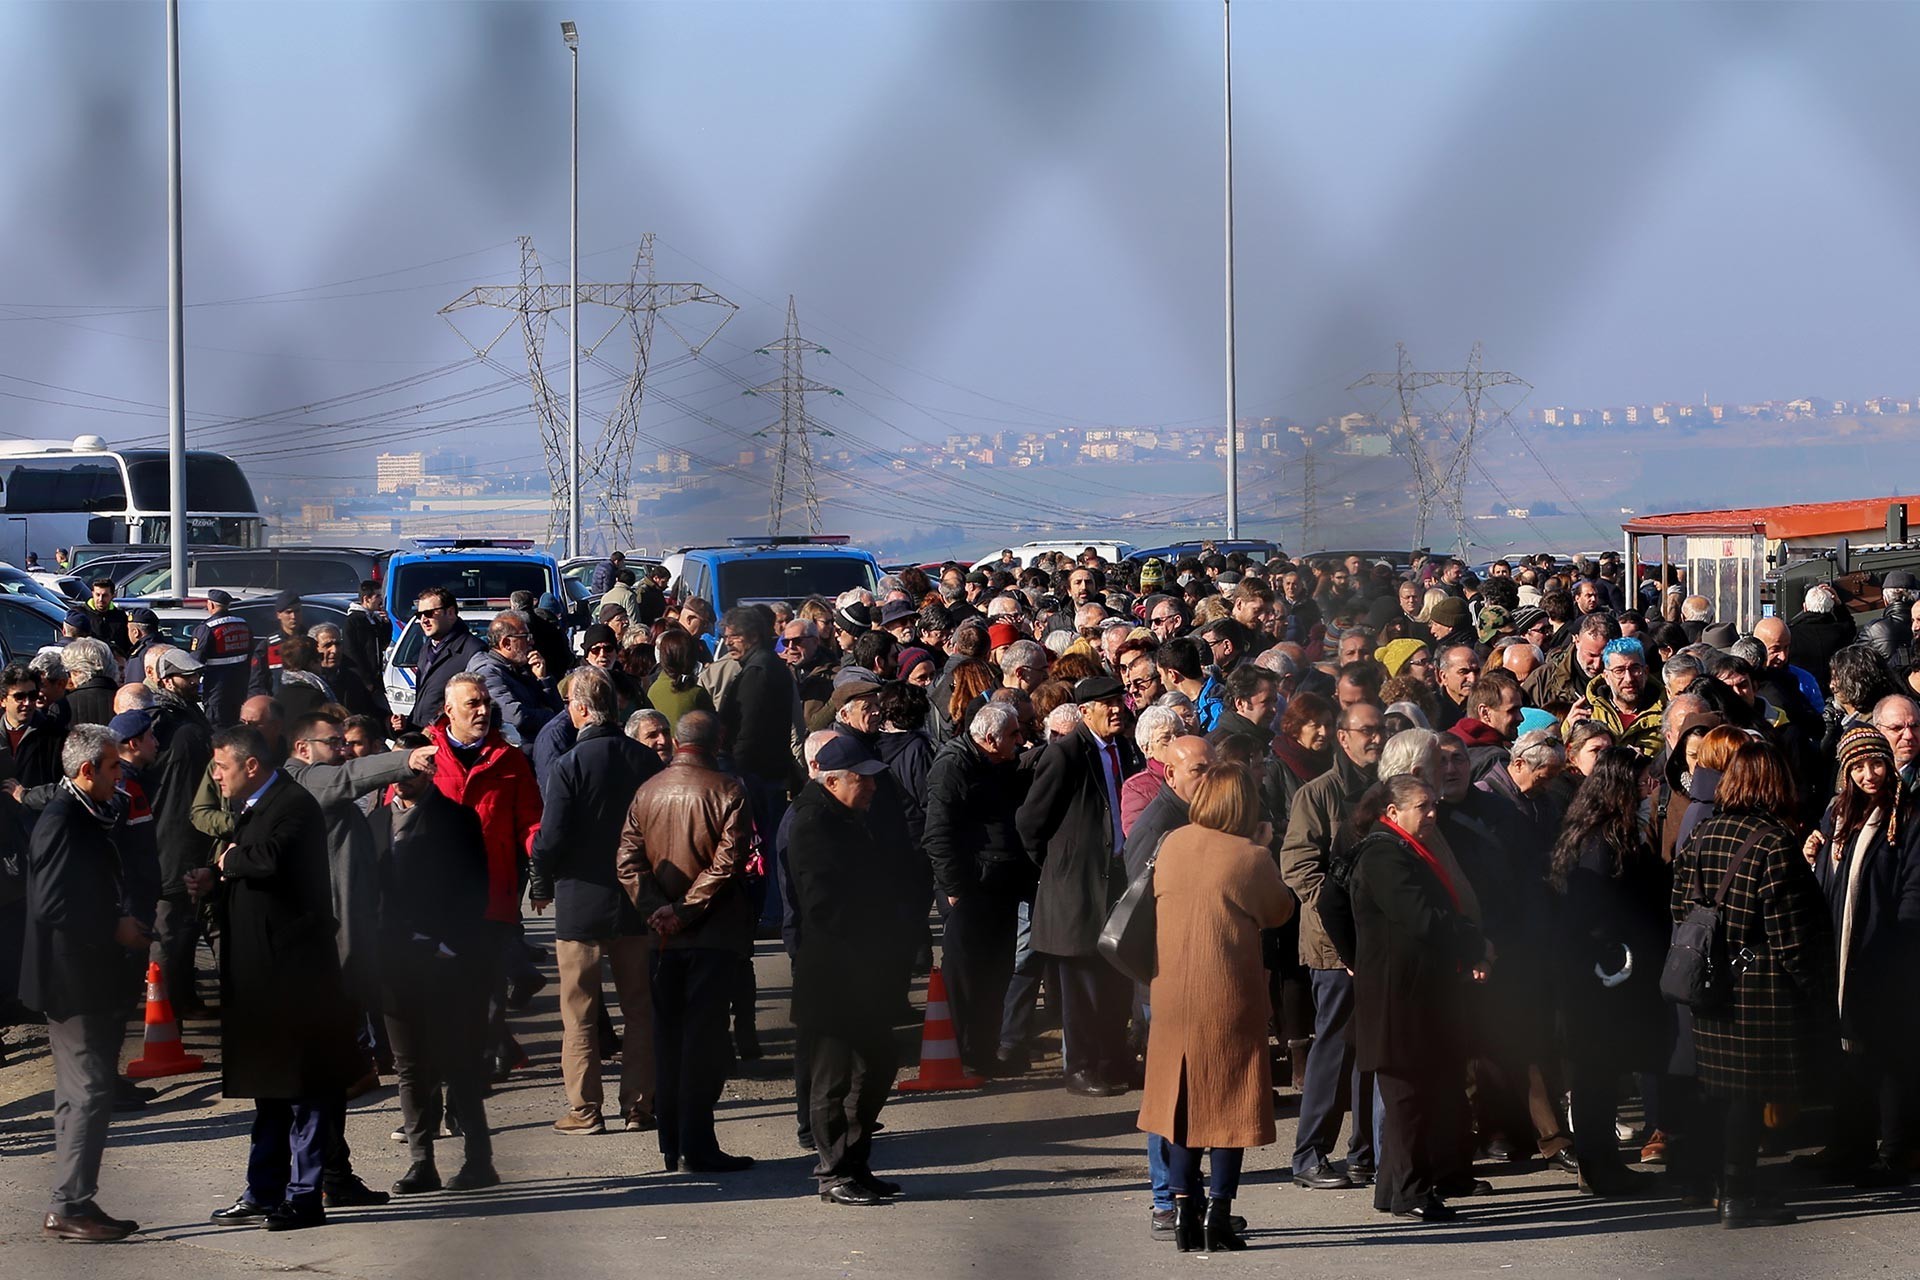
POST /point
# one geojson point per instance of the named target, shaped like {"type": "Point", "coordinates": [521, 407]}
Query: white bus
{"type": "Point", "coordinates": [80, 492]}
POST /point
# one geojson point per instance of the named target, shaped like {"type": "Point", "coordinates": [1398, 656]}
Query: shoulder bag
{"type": "Point", "coordinates": [1696, 973]}
{"type": "Point", "coordinates": [1130, 939]}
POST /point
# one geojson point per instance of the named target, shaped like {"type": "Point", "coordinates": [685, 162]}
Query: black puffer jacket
{"type": "Point", "coordinates": [970, 833]}
{"type": "Point", "coordinates": [1891, 636]}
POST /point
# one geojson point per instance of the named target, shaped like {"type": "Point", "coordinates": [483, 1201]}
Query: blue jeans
{"type": "Point", "coordinates": [1334, 1085]}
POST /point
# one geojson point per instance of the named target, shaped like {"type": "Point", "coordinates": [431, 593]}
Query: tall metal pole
{"type": "Point", "coordinates": [1233, 407]}
{"type": "Point", "coordinates": [176, 344]}
{"type": "Point", "coordinates": [573, 324]}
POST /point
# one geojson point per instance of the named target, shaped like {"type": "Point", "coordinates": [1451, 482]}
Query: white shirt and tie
{"type": "Point", "coordinates": [1112, 772]}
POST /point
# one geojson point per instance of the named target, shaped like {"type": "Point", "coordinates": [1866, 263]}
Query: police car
{"type": "Point", "coordinates": [765, 570]}
{"type": "Point", "coordinates": [482, 573]}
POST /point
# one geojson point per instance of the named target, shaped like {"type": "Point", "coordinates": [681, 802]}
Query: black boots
{"type": "Point", "coordinates": [1219, 1233]}
{"type": "Point", "coordinates": [1188, 1235]}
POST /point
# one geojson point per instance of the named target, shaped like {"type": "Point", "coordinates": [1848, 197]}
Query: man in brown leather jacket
{"type": "Point", "coordinates": [682, 854]}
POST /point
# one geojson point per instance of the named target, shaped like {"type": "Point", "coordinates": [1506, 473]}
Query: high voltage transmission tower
{"type": "Point", "coordinates": [793, 460]}
{"type": "Point", "coordinates": [636, 304]}
{"type": "Point", "coordinates": [1439, 464]}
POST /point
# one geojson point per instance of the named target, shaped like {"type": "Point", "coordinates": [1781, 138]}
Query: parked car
{"type": "Point", "coordinates": [307, 570]}
{"type": "Point", "coordinates": [27, 625]}
{"type": "Point", "coordinates": [764, 570]}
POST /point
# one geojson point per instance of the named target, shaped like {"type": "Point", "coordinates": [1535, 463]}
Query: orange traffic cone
{"type": "Point", "coordinates": [163, 1056]}
{"type": "Point", "coordinates": [939, 1051]}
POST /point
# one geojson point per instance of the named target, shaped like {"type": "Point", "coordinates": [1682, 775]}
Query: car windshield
{"type": "Point", "coordinates": [746, 581]}
{"type": "Point", "coordinates": [470, 579]}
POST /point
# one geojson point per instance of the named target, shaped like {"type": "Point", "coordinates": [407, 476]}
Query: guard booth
{"type": "Point", "coordinates": [1731, 556]}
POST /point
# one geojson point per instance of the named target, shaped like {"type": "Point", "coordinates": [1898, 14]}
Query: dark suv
{"type": "Point", "coordinates": [306, 570]}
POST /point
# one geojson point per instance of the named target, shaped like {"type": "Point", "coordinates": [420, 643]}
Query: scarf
{"type": "Point", "coordinates": [1863, 843]}
{"type": "Point", "coordinates": [1433, 863]}
{"type": "Point", "coordinates": [1306, 765]}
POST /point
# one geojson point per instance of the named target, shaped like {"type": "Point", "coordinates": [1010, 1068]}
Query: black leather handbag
{"type": "Point", "coordinates": [1130, 939]}
{"type": "Point", "coordinates": [1697, 973]}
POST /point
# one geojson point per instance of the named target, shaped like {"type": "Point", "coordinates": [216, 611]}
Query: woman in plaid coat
{"type": "Point", "coordinates": [1760, 1045]}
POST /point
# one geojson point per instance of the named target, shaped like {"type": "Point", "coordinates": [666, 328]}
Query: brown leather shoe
{"type": "Point", "coordinates": [91, 1230]}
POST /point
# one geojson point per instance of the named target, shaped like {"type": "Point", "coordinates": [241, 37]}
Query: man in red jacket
{"type": "Point", "coordinates": [480, 769]}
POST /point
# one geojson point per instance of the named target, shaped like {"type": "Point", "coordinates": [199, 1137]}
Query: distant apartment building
{"type": "Point", "coordinates": [397, 472]}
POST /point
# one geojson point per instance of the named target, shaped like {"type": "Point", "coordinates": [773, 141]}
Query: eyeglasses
{"type": "Point", "coordinates": [428, 613]}
{"type": "Point", "coordinates": [516, 637]}
{"type": "Point", "coordinates": [1135, 686]}
{"type": "Point", "coordinates": [599, 648]}
{"type": "Point", "coordinates": [337, 743]}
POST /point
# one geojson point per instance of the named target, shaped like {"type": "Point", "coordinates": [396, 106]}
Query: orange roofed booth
{"type": "Point", "coordinates": [1725, 554]}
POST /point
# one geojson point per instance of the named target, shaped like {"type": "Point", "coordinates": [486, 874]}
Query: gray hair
{"type": "Point", "coordinates": [1897, 597]}
{"type": "Point", "coordinates": [1538, 748]}
{"type": "Point", "coordinates": [319, 629]}
{"type": "Point", "coordinates": [815, 741]}
{"type": "Point", "coordinates": [479, 681]}
{"type": "Point", "coordinates": [1414, 751]}
{"type": "Point", "coordinates": [1058, 642]}
{"type": "Point", "coordinates": [1063, 719]}
{"type": "Point", "coordinates": [48, 664]}
{"type": "Point", "coordinates": [853, 595]}
{"type": "Point", "coordinates": [1750, 649]}
{"type": "Point", "coordinates": [87, 657]}
{"type": "Point", "coordinates": [643, 717]}
{"type": "Point", "coordinates": [592, 689]}
{"type": "Point", "coordinates": [1690, 612]}
{"type": "Point", "coordinates": [1679, 665]}
{"type": "Point", "coordinates": [1173, 698]}
{"type": "Point", "coordinates": [86, 744]}
{"type": "Point", "coordinates": [994, 721]}
{"type": "Point", "coordinates": [1281, 664]}
{"type": "Point", "coordinates": [1155, 727]}
{"type": "Point", "coordinates": [1022, 653]}
{"type": "Point", "coordinates": [1821, 598]}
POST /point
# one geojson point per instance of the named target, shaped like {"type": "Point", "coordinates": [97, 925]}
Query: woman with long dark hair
{"type": "Point", "coordinates": [1615, 892]}
{"type": "Point", "coordinates": [1857, 856]}
{"type": "Point", "coordinates": [1756, 1046]}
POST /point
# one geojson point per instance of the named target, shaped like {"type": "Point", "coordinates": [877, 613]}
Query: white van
{"type": "Point", "coordinates": [1027, 552]}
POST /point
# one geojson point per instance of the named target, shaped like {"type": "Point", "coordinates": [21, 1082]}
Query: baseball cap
{"type": "Point", "coordinates": [129, 725]}
{"type": "Point", "coordinates": [176, 662]}
{"type": "Point", "coordinates": [845, 754]}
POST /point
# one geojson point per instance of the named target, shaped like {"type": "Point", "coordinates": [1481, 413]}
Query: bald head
{"type": "Point", "coordinates": [1776, 636]}
{"type": "Point", "coordinates": [1186, 759]}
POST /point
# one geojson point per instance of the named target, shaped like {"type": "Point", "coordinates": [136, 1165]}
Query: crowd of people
{"type": "Point", "coordinates": [1419, 846]}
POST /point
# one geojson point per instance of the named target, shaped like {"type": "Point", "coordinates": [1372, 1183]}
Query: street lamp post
{"type": "Point", "coordinates": [571, 35]}
{"type": "Point", "coordinates": [176, 338]}
{"type": "Point", "coordinates": [1233, 407]}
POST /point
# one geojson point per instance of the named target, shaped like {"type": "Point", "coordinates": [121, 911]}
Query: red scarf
{"type": "Point", "coordinates": [1433, 863]}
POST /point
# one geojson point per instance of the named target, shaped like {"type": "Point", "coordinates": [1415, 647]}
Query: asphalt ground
{"type": "Point", "coordinates": [1019, 1179]}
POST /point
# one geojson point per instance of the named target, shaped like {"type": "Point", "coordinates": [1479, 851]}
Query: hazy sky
{"type": "Point", "coordinates": [992, 213]}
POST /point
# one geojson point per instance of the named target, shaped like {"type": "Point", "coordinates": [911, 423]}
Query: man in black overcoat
{"type": "Point", "coordinates": [1070, 824]}
{"type": "Point", "coordinates": [286, 1032]}
{"type": "Point", "coordinates": [435, 961]}
{"type": "Point", "coordinates": [859, 902]}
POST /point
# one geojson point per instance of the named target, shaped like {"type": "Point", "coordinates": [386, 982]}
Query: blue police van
{"type": "Point", "coordinates": [766, 570]}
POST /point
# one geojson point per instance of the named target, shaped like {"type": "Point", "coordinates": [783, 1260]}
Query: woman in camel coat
{"type": "Point", "coordinates": [1209, 1079]}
